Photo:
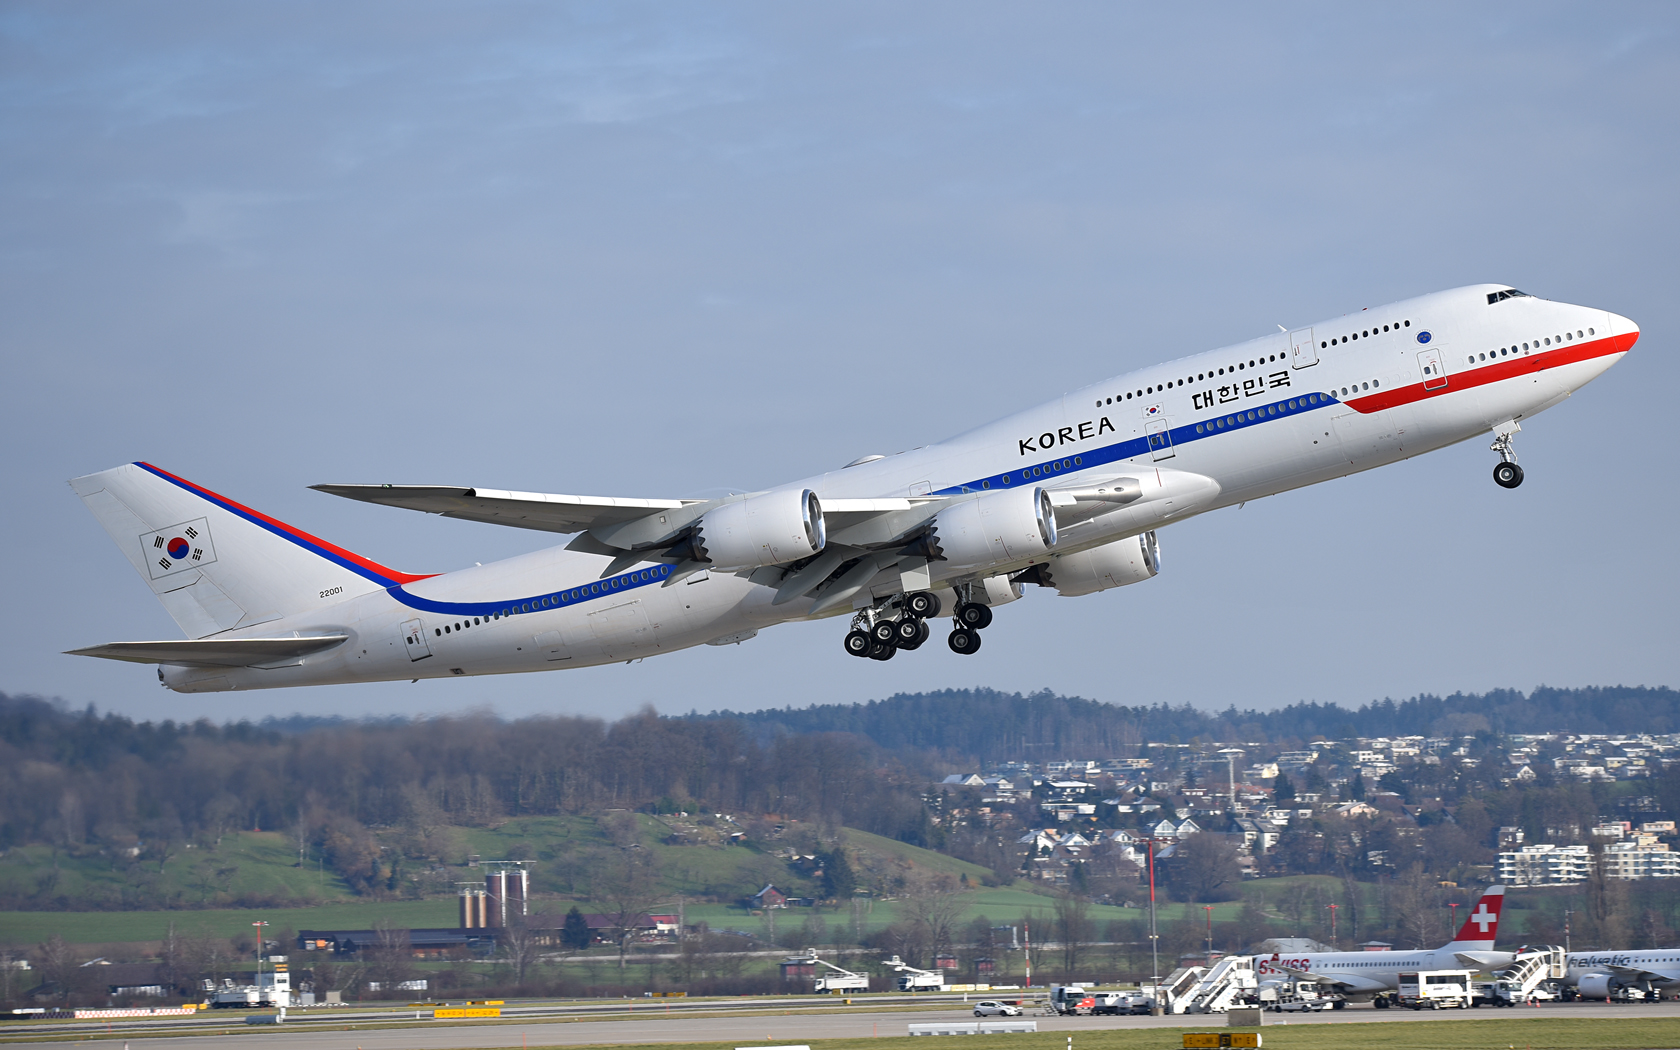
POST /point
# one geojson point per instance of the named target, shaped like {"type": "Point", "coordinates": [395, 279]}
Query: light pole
{"type": "Point", "coordinates": [1154, 938]}
{"type": "Point", "coordinates": [1567, 912]}
{"type": "Point", "coordinates": [1333, 943]}
{"type": "Point", "coordinates": [259, 926]}
{"type": "Point", "coordinates": [1209, 909]}
{"type": "Point", "coordinates": [1454, 908]}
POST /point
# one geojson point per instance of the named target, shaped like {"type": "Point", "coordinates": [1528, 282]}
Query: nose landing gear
{"type": "Point", "coordinates": [1507, 475]}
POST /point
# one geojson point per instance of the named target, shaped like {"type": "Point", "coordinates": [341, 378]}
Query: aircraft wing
{"type": "Point", "coordinates": [1345, 981]}
{"type": "Point", "coordinates": [552, 512]}
{"type": "Point", "coordinates": [543, 511]}
{"type": "Point", "coordinates": [213, 652]}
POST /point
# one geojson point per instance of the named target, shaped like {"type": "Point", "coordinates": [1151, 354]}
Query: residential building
{"type": "Point", "coordinates": [1545, 864]}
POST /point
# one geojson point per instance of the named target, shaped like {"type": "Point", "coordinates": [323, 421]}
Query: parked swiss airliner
{"type": "Point", "coordinates": [1361, 976]}
{"type": "Point", "coordinates": [1069, 495]}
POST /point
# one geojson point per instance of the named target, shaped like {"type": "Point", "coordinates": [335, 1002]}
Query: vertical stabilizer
{"type": "Point", "coordinates": [1482, 925]}
{"type": "Point", "coordinates": [215, 564]}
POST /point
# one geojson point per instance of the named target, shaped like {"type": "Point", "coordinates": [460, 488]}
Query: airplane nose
{"type": "Point", "coordinates": [1625, 328]}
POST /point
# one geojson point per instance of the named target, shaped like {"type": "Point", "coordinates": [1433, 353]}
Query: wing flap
{"type": "Point", "coordinates": [213, 652]}
{"type": "Point", "coordinates": [543, 511]}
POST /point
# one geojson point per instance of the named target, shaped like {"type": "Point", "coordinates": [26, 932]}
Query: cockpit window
{"type": "Point", "coordinates": [1509, 293]}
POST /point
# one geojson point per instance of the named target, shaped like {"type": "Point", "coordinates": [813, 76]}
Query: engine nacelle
{"type": "Point", "coordinates": [1595, 985]}
{"type": "Point", "coordinates": [995, 528]}
{"type": "Point", "coordinates": [772, 529]}
{"type": "Point", "coordinates": [1131, 560]}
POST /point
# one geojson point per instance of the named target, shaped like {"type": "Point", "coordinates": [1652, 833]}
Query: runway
{"type": "Point", "coordinates": [838, 1023]}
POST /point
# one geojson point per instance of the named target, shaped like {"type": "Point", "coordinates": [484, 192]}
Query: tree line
{"type": "Point", "coordinates": [82, 779]}
{"type": "Point", "coordinates": [986, 726]}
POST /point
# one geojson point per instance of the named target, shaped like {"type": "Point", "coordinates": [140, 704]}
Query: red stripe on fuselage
{"type": "Point", "coordinates": [305, 538]}
{"type": "Point", "coordinates": [1496, 372]}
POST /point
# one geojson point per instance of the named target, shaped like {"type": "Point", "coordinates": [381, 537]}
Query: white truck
{"type": "Point", "coordinates": [841, 980]}
{"type": "Point", "coordinates": [1436, 989]}
{"type": "Point", "coordinates": [913, 980]}
{"type": "Point", "coordinates": [1072, 999]}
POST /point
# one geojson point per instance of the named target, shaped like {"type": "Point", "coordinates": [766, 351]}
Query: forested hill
{"type": "Point", "coordinates": [989, 726]}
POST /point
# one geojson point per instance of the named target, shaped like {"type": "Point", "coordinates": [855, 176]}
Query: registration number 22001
{"type": "Point", "coordinates": [330, 591]}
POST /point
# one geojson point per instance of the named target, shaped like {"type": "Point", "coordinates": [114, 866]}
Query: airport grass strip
{"type": "Point", "coordinates": [1518, 1033]}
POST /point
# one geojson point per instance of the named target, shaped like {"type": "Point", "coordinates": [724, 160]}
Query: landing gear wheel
{"type": "Point", "coordinates": [880, 651]}
{"type": "Point", "coordinates": [908, 632]}
{"type": "Point", "coordinates": [973, 616]}
{"type": "Point", "coordinates": [964, 641]}
{"type": "Point", "coordinates": [923, 605]}
{"type": "Point", "coordinates": [922, 633]}
{"type": "Point", "coordinates": [858, 643]}
{"type": "Point", "coordinates": [1507, 475]}
{"type": "Point", "coordinates": [885, 632]}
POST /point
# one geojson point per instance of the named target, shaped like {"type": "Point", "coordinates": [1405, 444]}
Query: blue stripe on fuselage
{"type": "Point", "coordinates": [1141, 446]}
{"type": "Point", "coordinates": [553, 600]}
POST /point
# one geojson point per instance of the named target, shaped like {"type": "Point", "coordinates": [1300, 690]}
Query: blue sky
{"type": "Point", "coordinates": [666, 249]}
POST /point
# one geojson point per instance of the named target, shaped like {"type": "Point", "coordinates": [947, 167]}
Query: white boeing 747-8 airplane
{"type": "Point", "coordinates": [1067, 495]}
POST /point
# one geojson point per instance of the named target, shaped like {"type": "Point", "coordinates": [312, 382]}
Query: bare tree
{"type": "Point", "coordinates": [389, 957]}
{"type": "Point", "coordinates": [61, 966]}
{"type": "Point", "coordinates": [631, 894]}
{"type": "Point", "coordinates": [932, 908]}
{"type": "Point", "coordinates": [1073, 929]}
{"type": "Point", "coordinates": [520, 942]}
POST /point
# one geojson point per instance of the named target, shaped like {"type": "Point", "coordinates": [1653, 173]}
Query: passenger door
{"type": "Point", "coordinates": [1303, 350]}
{"type": "Point", "coordinates": [1160, 439]}
{"type": "Point", "coordinates": [1429, 367]}
{"type": "Point", "coordinates": [414, 640]}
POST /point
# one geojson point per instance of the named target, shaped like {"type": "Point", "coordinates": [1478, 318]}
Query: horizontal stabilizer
{"type": "Point", "coordinates": [213, 652]}
{"type": "Point", "coordinates": [543, 511]}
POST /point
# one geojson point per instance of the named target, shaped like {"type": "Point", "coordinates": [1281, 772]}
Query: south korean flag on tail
{"type": "Point", "coordinates": [178, 548]}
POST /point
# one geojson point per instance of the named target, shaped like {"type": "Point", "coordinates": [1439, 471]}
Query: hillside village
{"type": "Point", "coordinates": [1068, 820]}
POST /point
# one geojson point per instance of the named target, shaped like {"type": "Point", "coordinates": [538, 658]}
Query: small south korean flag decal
{"type": "Point", "coordinates": [178, 548]}
{"type": "Point", "coordinates": [1152, 411]}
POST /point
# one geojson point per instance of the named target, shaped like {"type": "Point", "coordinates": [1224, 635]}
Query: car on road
{"type": "Point", "coordinates": [993, 1008]}
{"type": "Point", "coordinates": [1304, 1005]}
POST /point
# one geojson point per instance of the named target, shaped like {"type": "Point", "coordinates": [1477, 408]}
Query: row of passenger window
{"type": "Point", "coordinates": [1543, 341]}
{"type": "Point", "coordinates": [1199, 377]}
{"type": "Point", "coordinates": [1257, 414]}
{"type": "Point", "coordinates": [549, 601]}
{"type": "Point", "coordinates": [1365, 334]}
{"type": "Point", "coordinates": [1053, 467]}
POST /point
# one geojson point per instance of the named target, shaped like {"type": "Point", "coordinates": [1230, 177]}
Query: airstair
{"type": "Point", "coordinates": [1217, 989]}
{"type": "Point", "coordinates": [1175, 993]}
{"type": "Point", "coordinates": [1530, 971]}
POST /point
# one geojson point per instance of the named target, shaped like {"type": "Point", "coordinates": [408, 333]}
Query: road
{"type": "Point", "coordinates": [834, 1023]}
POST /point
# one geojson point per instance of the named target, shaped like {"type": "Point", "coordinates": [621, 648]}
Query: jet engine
{"type": "Point", "coordinates": [1596, 985]}
{"type": "Point", "coordinates": [998, 527]}
{"type": "Point", "coordinates": [771, 529]}
{"type": "Point", "coordinates": [1131, 560]}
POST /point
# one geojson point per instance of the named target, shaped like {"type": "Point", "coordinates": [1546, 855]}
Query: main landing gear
{"type": "Point", "coordinates": [881, 631]}
{"type": "Point", "coordinates": [1507, 475]}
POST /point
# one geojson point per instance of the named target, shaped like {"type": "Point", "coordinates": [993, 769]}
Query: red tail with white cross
{"type": "Point", "coordinates": [1483, 922]}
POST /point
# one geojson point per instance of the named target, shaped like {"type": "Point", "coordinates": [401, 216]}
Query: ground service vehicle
{"type": "Point", "coordinates": [1436, 989]}
{"type": "Point", "coordinates": [993, 1008]}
